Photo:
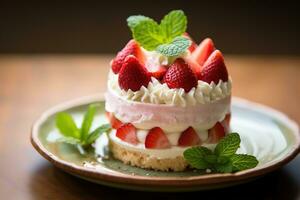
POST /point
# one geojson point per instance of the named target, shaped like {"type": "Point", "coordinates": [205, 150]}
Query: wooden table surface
{"type": "Point", "coordinates": [31, 84]}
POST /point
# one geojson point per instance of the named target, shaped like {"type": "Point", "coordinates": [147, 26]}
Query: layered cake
{"type": "Point", "coordinates": [160, 104]}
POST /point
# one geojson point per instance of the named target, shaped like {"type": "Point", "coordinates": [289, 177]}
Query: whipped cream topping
{"type": "Point", "coordinates": [153, 58]}
{"type": "Point", "coordinates": [160, 93]}
{"type": "Point", "coordinates": [172, 152]}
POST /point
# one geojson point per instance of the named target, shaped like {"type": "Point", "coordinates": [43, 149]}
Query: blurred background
{"type": "Point", "coordinates": [237, 27]}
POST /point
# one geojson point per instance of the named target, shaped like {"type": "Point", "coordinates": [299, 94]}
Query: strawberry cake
{"type": "Point", "coordinates": [159, 105]}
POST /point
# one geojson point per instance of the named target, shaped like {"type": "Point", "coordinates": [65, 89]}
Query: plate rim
{"type": "Point", "coordinates": [121, 178]}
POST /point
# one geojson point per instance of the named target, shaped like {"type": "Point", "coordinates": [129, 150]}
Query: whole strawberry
{"type": "Point", "coordinates": [131, 48]}
{"type": "Point", "coordinates": [180, 75]}
{"type": "Point", "coordinates": [133, 75]}
{"type": "Point", "coordinates": [214, 69]}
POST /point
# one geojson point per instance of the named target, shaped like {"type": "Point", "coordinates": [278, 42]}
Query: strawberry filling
{"type": "Point", "coordinates": [156, 138]}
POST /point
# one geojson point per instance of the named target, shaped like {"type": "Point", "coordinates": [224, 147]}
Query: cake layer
{"type": "Point", "coordinates": [170, 118]}
{"type": "Point", "coordinates": [144, 160]}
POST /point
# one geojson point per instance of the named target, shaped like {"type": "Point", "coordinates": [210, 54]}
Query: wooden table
{"type": "Point", "coordinates": [31, 84]}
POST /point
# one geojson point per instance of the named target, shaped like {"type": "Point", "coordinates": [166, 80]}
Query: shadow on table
{"type": "Point", "coordinates": [281, 184]}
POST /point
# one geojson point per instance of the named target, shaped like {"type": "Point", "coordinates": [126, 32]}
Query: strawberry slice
{"type": "Point", "coordinates": [156, 139]}
{"type": "Point", "coordinates": [189, 137]}
{"type": "Point", "coordinates": [131, 48]}
{"type": "Point", "coordinates": [180, 75]}
{"type": "Point", "coordinates": [214, 69]}
{"type": "Point", "coordinates": [157, 72]}
{"type": "Point", "coordinates": [114, 122]}
{"type": "Point", "coordinates": [133, 75]}
{"type": "Point", "coordinates": [193, 45]}
{"type": "Point", "coordinates": [226, 122]}
{"type": "Point", "coordinates": [127, 133]}
{"type": "Point", "coordinates": [216, 133]}
{"type": "Point", "coordinates": [203, 51]}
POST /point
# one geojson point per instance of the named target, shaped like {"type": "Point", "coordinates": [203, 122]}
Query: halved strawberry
{"type": "Point", "coordinates": [157, 72]}
{"type": "Point", "coordinates": [180, 75]}
{"type": "Point", "coordinates": [114, 122]}
{"type": "Point", "coordinates": [127, 133]}
{"type": "Point", "coordinates": [189, 137]}
{"type": "Point", "coordinates": [226, 122]}
{"type": "Point", "coordinates": [216, 133]}
{"type": "Point", "coordinates": [131, 48]}
{"type": "Point", "coordinates": [156, 139]}
{"type": "Point", "coordinates": [203, 51]}
{"type": "Point", "coordinates": [214, 69]}
{"type": "Point", "coordinates": [133, 75]}
{"type": "Point", "coordinates": [193, 45]}
{"type": "Point", "coordinates": [193, 64]}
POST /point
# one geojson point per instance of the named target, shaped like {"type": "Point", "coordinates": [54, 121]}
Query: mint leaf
{"type": "Point", "coordinates": [175, 48]}
{"type": "Point", "coordinates": [228, 145]}
{"type": "Point", "coordinates": [195, 157]}
{"type": "Point", "coordinates": [134, 20]}
{"type": "Point", "coordinates": [96, 133]}
{"type": "Point", "coordinates": [87, 121]}
{"type": "Point", "coordinates": [66, 125]}
{"type": "Point", "coordinates": [224, 168]}
{"type": "Point", "coordinates": [173, 24]}
{"type": "Point", "coordinates": [243, 161]}
{"type": "Point", "coordinates": [147, 34]}
{"type": "Point", "coordinates": [69, 140]}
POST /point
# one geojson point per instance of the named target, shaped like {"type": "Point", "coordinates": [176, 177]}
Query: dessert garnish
{"type": "Point", "coordinates": [223, 159]}
{"type": "Point", "coordinates": [81, 137]}
{"type": "Point", "coordinates": [166, 38]}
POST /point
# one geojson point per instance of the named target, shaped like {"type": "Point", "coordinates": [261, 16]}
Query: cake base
{"type": "Point", "coordinates": [146, 161]}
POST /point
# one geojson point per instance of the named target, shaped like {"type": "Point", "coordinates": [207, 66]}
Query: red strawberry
{"type": "Point", "coordinates": [114, 122]}
{"type": "Point", "coordinates": [226, 122]}
{"type": "Point", "coordinates": [214, 69]}
{"type": "Point", "coordinates": [133, 75]}
{"type": "Point", "coordinates": [156, 139]}
{"type": "Point", "coordinates": [127, 133]}
{"type": "Point", "coordinates": [203, 51]}
{"type": "Point", "coordinates": [193, 45]}
{"type": "Point", "coordinates": [157, 72]}
{"type": "Point", "coordinates": [193, 64]}
{"type": "Point", "coordinates": [131, 48]}
{"type": "Point", "coordinates": [189, 137]}
{"type": "Point", "coordinates": [180, 75]}
{"type": "Point", "coordinates": [216, 133]}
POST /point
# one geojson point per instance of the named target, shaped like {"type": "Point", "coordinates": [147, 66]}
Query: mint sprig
{"type": "Point", "coordinates": [223, 159]}
{"type": "Point", "coordinates": [80, 137]}
{"type": "Point", "coordinates": [166, 37]}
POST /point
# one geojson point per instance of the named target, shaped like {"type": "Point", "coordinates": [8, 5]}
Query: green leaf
{"type": "Point", "coordinates": [228, 145]}
{"type": "Point", "coordinates": [195, 157]}
{"type": "Point", "coordinates": [134, 20]}
{"type": "Point", "coordinates": [211, 159]}
{"type": "Point", "coordinates": [66, 125]}
{"type": "Point", "coordinates": [69, 140]}
{"type": "Point", "coordinates": [87, 121]}
{"type": "Point", "coordinates": [147, 34]}
{"type": "Point", "coordinates": [243, 161]}
{"type": "Point", "coordinates": [175, 48]}
{"type": "Point", "coordinates": [96, 133]}
{"type": "Point", "coordinates": [173, 24]}
{"type": "Point", "coordinates": [224, 168]}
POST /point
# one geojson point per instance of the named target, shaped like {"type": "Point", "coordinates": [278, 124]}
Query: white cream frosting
{"type": "Point", "coordinates": [172, 152]}
{"type": "Point", "coordinates": [158, 93]}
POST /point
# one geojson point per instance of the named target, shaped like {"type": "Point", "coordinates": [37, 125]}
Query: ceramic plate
{"type": "Point", "coordinates": [266, 133]}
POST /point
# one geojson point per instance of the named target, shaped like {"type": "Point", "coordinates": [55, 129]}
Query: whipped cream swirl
{"type": "Point", "coordinates": [160, 93]}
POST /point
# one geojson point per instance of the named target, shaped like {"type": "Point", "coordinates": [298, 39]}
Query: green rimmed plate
{"type": "Point", "coordinates": [266, 133]}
